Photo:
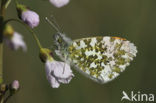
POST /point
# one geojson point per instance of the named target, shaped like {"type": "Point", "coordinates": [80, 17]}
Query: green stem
{"type": "Point", "coordinates": [1, 52]}
{"type": "Point", "coordinates": [1, 62]}
{"type": "Point", "coordinates": [2, 10]}
{"type": "Point", "coordinates": [7, 4]}
{"type": "Point", "coordinates": [2, 7]}
{"type": "Point", "coordinates": [2, 13]}
{"type": "Point", "coordinates": [30, 30]}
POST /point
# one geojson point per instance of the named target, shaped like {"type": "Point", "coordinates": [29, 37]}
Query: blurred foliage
{"type": "Point", "coordinates": [131, 19]}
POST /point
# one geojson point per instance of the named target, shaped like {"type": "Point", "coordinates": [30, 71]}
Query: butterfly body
{"type": "Point", "coordinates": [101, 59]}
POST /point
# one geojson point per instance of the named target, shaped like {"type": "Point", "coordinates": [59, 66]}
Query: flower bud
{"type": "Point", "coordinates": [28, 16]}
{"type": "Point", "coordinates": [15, 85]}
{"type": "Point", "coordinates": [59, 3]}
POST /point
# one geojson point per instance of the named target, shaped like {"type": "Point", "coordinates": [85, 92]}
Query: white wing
{"type": "Point", "coordinates": [101, 59]}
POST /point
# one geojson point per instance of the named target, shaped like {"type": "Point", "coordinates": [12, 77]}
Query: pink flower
{"type": "Point", "coordinates": [31, 18]}
{"type": "Point", "coordinates": [58, 72]}
{"type": "Point", "coordinates": [59, 3]}
{"type": "Point", "coordinates": [15, 85]}
{"type": "Point", "coordinates": [15, 42]}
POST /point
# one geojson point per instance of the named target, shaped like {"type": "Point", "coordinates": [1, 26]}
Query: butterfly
{"type": "Point", "coordinates": [100, 58]}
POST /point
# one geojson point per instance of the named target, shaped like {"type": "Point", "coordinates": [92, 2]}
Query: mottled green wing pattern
{"type": "Point", "coordinates": [101, 58]}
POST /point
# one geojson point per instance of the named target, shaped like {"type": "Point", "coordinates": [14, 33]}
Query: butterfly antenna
{"type": "Point", "coordinates": [55, 23]}
{"type": "Point", "coordinates": [52, 24]}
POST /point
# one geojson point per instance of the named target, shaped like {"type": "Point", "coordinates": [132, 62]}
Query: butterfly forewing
{"type": "Point", "coordinates": [101, 58]}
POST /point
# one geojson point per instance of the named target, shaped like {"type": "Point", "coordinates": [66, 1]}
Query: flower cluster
{"type": "Point", "coordinates": [57, 72]}
{"type": "Point", "coordinates": [9, 89]}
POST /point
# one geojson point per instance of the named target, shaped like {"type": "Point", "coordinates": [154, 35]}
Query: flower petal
{"type": "Point", "coordinates": [48, 67]}
{"type": "Point", "coordinates": [63, 70]}
{"type": "Point", "coordinates": [59, 3]}
{"type": "Point", "coordinates": [15, 85]}
{"type": "Point", "coordinates": [54, 83]}
{"type": "Point", "coordinates": [58, 72]}
{"type": "Point", "coordinates": [65, 81]}
{"type": "Point", "coordinates": [16, 42]}
{"type": "Point", "coordinates": [52, 80]}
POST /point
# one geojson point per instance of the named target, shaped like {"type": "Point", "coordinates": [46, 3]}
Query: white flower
{"type": "Point", "coordinates": [59, 3]}
{"type": "Point", "coordinates": [58, 72]}
{"type": "Point", "coordinates": [31, 18]}
{"type": "Point", "coordinates": [16, 42]}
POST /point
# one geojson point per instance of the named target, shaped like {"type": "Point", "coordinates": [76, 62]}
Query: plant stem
{"type": "Point", "coordinates": [1, 52]}
{"type": "Point", "coordinates": [1, 62]}
{"type": "Point", "coordinates": [7, 4]}
{"type": "Point", "coordinates": [2, 10]}
{"type": "Point", "coordinates": [2, 13]}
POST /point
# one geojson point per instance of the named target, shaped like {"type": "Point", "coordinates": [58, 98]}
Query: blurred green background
{"type": "Point", "coordinates": [131, 19]}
